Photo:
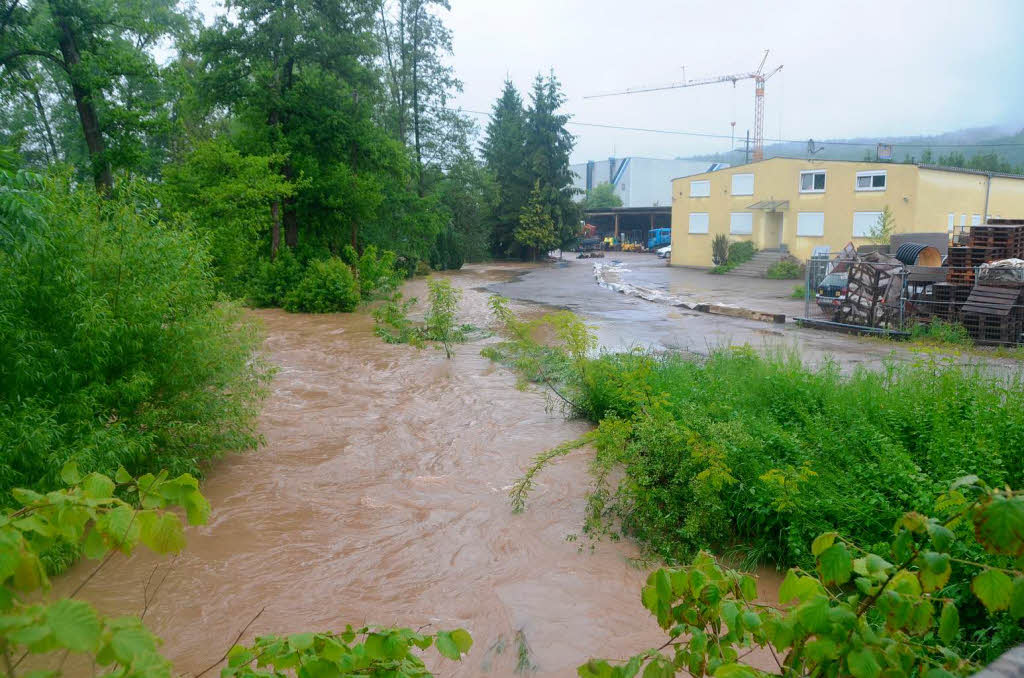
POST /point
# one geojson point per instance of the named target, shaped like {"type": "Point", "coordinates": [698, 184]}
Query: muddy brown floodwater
{"type": "Point", "coordinates": [381, 497]}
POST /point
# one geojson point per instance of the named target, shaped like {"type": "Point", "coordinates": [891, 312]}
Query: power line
{"type": "Point", "coordinates": [707, 135]}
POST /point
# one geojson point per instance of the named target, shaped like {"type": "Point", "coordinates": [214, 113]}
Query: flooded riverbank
{"type": "Point", "coordinates": [381, 497]}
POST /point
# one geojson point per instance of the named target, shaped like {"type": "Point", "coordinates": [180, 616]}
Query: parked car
{"type": "Point", "coordinates": [832, 291]}
{"type": "Point", "coordinates": [665, 252]}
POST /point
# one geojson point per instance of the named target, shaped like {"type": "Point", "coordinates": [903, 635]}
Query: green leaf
{"type": "Point", "coordinates": [122, 476]}
{"type": "Point", "coordinates": [129, 644]}
{"type": "Point", "coordinates": [162, 532]}
{"type": "Point", "coordinates": [664, 586]}
{"type": "Point", "coordinates": [992, 588]}
{"type": "Point", "coordinates": [863, 664]}
{"type": "Point", "coordinates": [798, 587]}
{"type": "Point", "coordinates": [1017, 598]}
{"type": "Point", "coordinates": [97, 486]}
{"type": "Point", "coordinates": [941, 536]}
{"type": "Point", "coordinates": [934, 570]}
{"type": "Point", "coordinates": [822, 542]}
{"type": "Point", "coordinates": [999, 525]}
{"type": "Point", "coordinates": [462, 639]}
{"type": "Point", "coordinates": [301, 641]}
{"type": "Point", "coordinates": [447, 646]}
{"type": "Point", "coordinates": [75, 624]}
{"type": "Point", "coordinates": [835, 564]}
{"type": "Point", "coordinates": [94, 547]}
{"type": "Point", "coordinates": [734, 671]}
{"type": "Point", "coordinates": [69, 473]}
{"type": "Point", "coordinates": [813, 614]}
{"type": "Point", "coordinates": [121, 527]}
{"type": "Point", "coordinates": [748, 587]}
{"type": "Point", "coordinates": [964, 481]}
{"type": "Point", "coordinates": [949, 623]}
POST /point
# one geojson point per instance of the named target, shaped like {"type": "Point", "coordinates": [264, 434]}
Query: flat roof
{"type": "Point", "coordinates": [659, 209]}
{"type": "Point", "coordinates": [937, 168]}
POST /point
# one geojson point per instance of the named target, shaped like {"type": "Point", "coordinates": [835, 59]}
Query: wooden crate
{"type": "Point", "coordinates": [994, 314]}
{"type": "Point", "coordinates": [872, 295]}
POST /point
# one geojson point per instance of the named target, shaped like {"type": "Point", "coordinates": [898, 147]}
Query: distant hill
{"type": "Point", "coordinates": [976, 141]}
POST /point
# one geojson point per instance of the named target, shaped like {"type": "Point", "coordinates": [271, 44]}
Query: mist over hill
{"type": "Point", "coordinates": [1006, 143]}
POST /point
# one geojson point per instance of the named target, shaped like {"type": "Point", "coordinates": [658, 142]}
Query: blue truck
{"type": "Point", "coordinates": [659, 237]}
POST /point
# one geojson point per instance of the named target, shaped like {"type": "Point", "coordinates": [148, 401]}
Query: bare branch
{"type": "Point", "coordinates": [235, 642]}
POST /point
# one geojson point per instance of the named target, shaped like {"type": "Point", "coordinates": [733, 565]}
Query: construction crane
{"type": "Point", "coordinates": [759, 77]}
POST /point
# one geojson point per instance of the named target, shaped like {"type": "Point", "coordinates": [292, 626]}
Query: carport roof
{"type": "Point", "coordinates": [769, 205]}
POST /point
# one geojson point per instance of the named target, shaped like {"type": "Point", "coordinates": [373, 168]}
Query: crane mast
{"type": "Point", "coordinates": [759, 77]}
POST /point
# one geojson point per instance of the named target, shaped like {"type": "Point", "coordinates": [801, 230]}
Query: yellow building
{"type": "Point", "coordinates": [797, 205]}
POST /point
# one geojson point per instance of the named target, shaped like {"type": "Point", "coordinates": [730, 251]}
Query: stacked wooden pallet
{"type": "Point", "coordinates": [998, 239]}
{"type": "Point", "coordinates": [994, 314]}
{"type": "Point", "coordinates": [947, 299]}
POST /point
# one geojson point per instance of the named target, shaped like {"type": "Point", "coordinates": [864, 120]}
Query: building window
{"type": "Point", "coordinates": [963, 221]}
{"type": "Point", "coordinates": [741, 223]}
{"type": "Point", "coordinates": [812, 181]}
{"type": "Point", "coordinates": [975, 220]}
{"type": "Point", "coordinates": [871, 181]}
{"type": "Point", "coordinates": [951, 222]}
{"type": "Point", "coordinates": [743, 184]}
{"type": "Point", "coordinates": [810, 224]}
{"type": "Point", "coordinates": [864, 223]}
{"type": "Point", "coordinates": [700, 189]}
{"type": "Point", "coordinates": [698, 222]}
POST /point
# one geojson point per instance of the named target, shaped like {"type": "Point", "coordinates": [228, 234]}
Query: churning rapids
{"type": "Point", "coordinates": [381, 497]}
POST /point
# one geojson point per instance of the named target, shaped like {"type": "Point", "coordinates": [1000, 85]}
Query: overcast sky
{"type": "Point", "coordinates": [851, 68]}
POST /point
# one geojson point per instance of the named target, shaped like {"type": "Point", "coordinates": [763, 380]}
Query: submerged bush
{"type": "Point", "coordinates": [273, 280]}
{"type": "Point", "coordinates": [114, 348]}
{"type": "Point", "coordinates": [327, 286]}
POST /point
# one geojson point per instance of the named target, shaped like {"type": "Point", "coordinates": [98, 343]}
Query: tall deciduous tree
{"type": "Point", "coordinates": [295, 76]}
{"type": "Point", "coordinates": [414, 42]}
{"type": "Point", "coordinates": [99, 56]}
{"type": "Point", "coordinates": [504, 153]}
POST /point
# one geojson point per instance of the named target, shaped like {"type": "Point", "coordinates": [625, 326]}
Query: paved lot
{"type": "Point", "coordinates": [622, 321]}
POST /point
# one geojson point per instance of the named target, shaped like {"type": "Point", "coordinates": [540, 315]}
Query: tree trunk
{"type": "Point", "coordinates": [275, 228]}
{"type": "Point", "coordinates": [416, 99]}
{"type": "Point", "coordinates": [37, 101]}
{"type": "Point", "coordinates": [102, 175]}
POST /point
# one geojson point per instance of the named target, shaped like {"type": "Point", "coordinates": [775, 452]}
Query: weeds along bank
{"type": "Point", "coordinates": [116, 346]}
{"type": "Point", "coordinates": [756, 455]}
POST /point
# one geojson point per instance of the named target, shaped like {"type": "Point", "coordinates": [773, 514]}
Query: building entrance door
{"type": "Point", "coordinates": [772, 230]}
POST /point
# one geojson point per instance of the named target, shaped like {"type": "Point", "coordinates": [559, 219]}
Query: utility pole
{"type": "Point", "coordinates": [746, 153]}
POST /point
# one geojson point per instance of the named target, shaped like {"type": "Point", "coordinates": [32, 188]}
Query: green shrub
{"type": "Point", "coordinates": [799, 292]}
{"type": "Point", "coordinates": [448, 252]}
{"type": "Point", "coordinates": [941, 332]}
{"type": "Point", "coordinates": [273, 280]}
{"type": "Point", "coordinates": [377, 275]}
{"type": "Point", "coordinates": [327, 286]}
{"type": "Point", "coordinates": [787, 269]}
{"type": "Point", "coordinates": [740, 252]}
{"type": "Point", "coordinates": [737, 253]}
{"type": "Point", "coordinates": [114, 348]}
{"type": "Point", "coordinates": [719, 249]}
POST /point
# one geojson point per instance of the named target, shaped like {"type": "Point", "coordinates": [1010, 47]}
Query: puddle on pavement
{"type": "Point", "coordinates": [381, 497]}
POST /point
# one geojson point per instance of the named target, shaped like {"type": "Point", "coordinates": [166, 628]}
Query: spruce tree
{"type": "Point", "coordinates": [548, 147]}
{"type": "Point", "coordinates": [504, 152]}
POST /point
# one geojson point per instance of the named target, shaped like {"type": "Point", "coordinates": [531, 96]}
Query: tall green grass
{"type": "Point", "coordinates": [768, 452]}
